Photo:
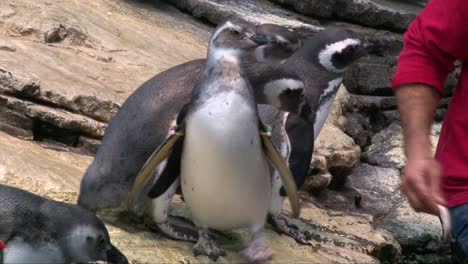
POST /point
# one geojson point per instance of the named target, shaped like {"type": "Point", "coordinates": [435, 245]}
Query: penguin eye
{"type": "Point", "coordinates": [101, 242]}
{"type": "Point", "coordinates": [235, 32]}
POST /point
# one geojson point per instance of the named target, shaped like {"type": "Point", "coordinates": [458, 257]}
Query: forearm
{"type": "Point", "coordinates": [417, 105]}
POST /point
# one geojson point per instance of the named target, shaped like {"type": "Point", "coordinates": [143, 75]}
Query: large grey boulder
{"type": "Point", "coordinates": [373, 13]}
{"type": "Point", "coordinates": [386, 149]}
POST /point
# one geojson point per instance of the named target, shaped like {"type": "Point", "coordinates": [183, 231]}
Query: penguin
{"type": "Point", "coordinates": [300, 92]}
{"type": "Point", "coordinates": [38, 230]}
{"type": "Point", "coordinates": [224, 157]}
{"type": "Point", "coordinates": [123, 152]}
{"type": "Point", "coordinates": [152, 110]}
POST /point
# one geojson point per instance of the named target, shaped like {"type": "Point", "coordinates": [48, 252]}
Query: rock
{"type": "Point", "coordinates": [339, 106]}
{"type": "Point", "coordinates": [386, 149]}
{"type": "Point", "coordinates": [55, 34]}
{"type": "Point", "coordinates": [315, 8]}
{"type": "Point", "coordinates": [359, 128]}
{"type": "Point", "coordinates": [15, 123]}
{"type": "Point", "coordinates": [366, 102]}
{"type": "Point", "coordinates": [6, 11]}
{"type": "Point", "coordinates": [100, 62]}
{"type": "Point", "coordinates": [368, 78]}
{"type": "Point", "coordinates": [391, 15]}
{"type": "Point", "coordinates": [88, 146]}
{"type": "Point", "coordinates": [378, 187]}
{"type": "Point", "coordinates": [412, 230]}
{"type": "Point", "coordinates": [255, 11]}
{"type": "Point", "coordinates": [340, 152]}
{"type": "Point", "coordinates": [57, 117]}
{"type": "Point", "coordinates": [56, 175]}
{"type": "Point", "coordinates": [6, 45]}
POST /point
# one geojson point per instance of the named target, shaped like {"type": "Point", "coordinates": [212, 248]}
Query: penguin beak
{"type": "Point", "coordinates": [376, 46]}
{"type": "Point", "coordinates": [114, 256]}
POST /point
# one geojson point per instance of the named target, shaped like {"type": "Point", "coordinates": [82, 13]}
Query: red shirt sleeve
{"type": "Point", "coordinates": [434, 40]}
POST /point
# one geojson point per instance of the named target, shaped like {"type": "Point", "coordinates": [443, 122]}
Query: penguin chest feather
{"type": "Point", "coordinates": [225, 175]}
{"type": "Point", "coordinates": [325, 104]}
{"type": "Point", "coordinates": [22, 252]}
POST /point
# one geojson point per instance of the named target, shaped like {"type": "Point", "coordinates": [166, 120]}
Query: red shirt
{"type": "Point", "coordinates": [434, 40]}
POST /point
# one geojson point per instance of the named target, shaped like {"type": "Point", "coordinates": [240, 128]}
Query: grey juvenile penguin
{"type": "Point", "coordinates": [151, 110]}
{"type": "Point", "coordinates": [39, 230]}
{"type": "Point", "coordinates": [224, 171]}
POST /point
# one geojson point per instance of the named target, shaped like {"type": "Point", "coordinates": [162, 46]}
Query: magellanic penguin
{"type": "Point", "coordinates": [152, 111]}
{"type": "Point", "coordinates": [38, 230]}
{"type": "Point", "coordinates": [304, 87]}
{"type": "Point", "coordinates": [224, 170]}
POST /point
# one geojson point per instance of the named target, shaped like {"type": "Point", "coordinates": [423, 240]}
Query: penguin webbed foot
{"type": "Point", "coordinates": [281, 225]}
{"type": "Point", "coordinates": [207, 246]}
{"type": "Point", "coordinates": [170, 231]}
{"type": "Point", "coordinates": [258, 250]}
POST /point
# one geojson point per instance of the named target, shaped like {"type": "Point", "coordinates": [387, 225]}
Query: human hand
{"type": "Point", "coordinates": [421, 184]}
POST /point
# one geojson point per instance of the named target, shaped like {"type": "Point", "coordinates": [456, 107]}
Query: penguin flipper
{"type": "Point", "coordinates": [170, 172]}
{"type": "Point", "coordinates": [144, 177]}
{"type": "Point", "coordinates": [283, 169]}
{"type": "Point", "coordinates": [302, 147]}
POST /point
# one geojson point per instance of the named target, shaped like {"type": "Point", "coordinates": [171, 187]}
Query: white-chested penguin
{"type": "Point", "coordinates": [151, 110]}
{"type": "Point", "coordinates": [224, 172]}
{"type": "Point", "coordinates": [304, 87]}
{"type": "Point", "coordinates": [38, 230]}
{"type": "Point", "coordinates": [153, 107]}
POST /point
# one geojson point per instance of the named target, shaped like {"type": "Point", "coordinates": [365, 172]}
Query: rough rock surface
{"type": "Point", "coordinates": [374, 13]}
{"type": "Point", "coordinates": [56, 174]}
{"type": "Point", "coordinates": [379, 195]}
{"type": "Point", "coordinates": [386, 149]}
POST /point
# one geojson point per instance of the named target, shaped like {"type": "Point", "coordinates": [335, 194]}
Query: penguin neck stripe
{"type": "Point", "coordinates": [226, 25]}
{"type": "Point", "coordinates": [326, 54]}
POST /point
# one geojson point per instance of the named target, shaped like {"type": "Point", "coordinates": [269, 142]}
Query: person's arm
{"type": "Point", "coordinates": [431, 44]}
{"type": "Point", "coordinates": [422, 174]}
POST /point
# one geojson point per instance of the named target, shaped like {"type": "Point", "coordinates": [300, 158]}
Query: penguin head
{"type": "Point", "coordinates": [233, 34]}
{"type": "Point", "coordinates": [91, 242]}
{"type": "Point", "coordinates": [278, 43]}
{"type": "Point", "coordinates": [336, 49]}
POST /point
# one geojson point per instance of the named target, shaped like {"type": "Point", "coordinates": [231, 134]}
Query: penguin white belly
{"type": "Point", "coordinates": [324, 108]}
{"type": "Point", "coordinates": [224, 172]}
{"type": "Point", "coordinates": [20, 252]}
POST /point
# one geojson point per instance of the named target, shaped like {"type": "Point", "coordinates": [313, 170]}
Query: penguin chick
{"type": "Point", "coordinates": [40, 230]}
